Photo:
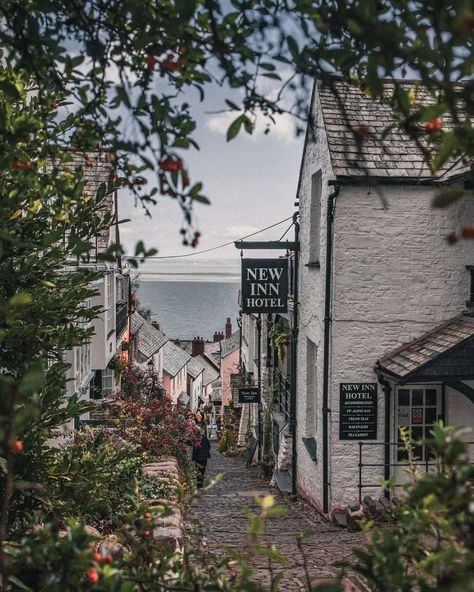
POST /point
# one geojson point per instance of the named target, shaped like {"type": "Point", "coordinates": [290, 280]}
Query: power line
{"type": "Point", "coordinates": [212, 248]}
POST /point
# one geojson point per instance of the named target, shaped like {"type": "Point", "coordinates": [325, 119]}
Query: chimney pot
{"type": "Point", "coordinates": [228, 328]}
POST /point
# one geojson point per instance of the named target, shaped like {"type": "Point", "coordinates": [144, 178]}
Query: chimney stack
{"type": "Point", "coordinates": [218, 336]}
{"type": "Point", "coordinates": [156, 324]}
{"type": "Point", "coordinates": [228, 328]}
{"type": "Point", "coordinates": [198, 346]}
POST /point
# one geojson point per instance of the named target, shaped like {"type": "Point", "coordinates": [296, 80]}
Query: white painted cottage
{"type": "Point", "coordinates": [386, 337]}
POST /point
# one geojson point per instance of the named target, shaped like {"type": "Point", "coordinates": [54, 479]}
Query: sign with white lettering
{"type": "Point", "coordinates": [249, 394]}
{"type": "Point", "coordinates": [264, 285]}
{"type": "Point", "coordinates": [358, 411]}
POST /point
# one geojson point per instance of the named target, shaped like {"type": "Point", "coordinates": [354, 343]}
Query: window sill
{"type": "Point", "coordinates": [313, 264]}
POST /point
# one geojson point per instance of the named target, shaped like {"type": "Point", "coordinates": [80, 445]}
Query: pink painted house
{"type": "Point", "coordinates": [175, 372]}
{"type": "Point", "coordinates": [229, 365]}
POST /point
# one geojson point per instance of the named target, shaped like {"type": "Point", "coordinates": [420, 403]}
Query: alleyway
{"type": "Point", "coordinates": [220, 515]}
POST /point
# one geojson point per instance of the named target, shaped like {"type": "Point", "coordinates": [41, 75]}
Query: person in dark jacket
{"type": "Point", "coordinates": [201, 449]}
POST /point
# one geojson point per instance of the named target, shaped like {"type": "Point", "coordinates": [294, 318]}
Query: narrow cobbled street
{"type": "Point", "coordinates": [219, 519]}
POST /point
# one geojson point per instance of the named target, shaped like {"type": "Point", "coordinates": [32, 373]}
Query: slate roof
{"type": "Point", "coordinates": [231, 344]}
{"type": "Point", "coordinates": [210, 372]}
{"type": "Point", "coordinates": [150, 339]}
{"type": "Point", "coordinates": [345, 107]}
{"type": "Point", "coordinates": [417, 355]}
{"type": "Point", "coordinates": [174, 358]}
{"type": "Point", "coordinates": [195, 367]}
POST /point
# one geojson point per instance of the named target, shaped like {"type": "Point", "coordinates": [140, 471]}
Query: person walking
{"type": "Point", "coordinates": [201, 449]}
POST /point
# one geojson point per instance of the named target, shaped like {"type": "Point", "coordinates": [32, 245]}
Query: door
{"type": "Point", "coordinates": [418, 407]}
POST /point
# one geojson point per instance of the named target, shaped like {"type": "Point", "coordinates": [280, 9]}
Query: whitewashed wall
{"type": "Point", "coordinates": [395, 277]}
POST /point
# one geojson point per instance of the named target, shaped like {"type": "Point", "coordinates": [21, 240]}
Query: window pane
{"type": "Point", "coordinates": [417, 415]}
{"type": "Point", "coordinates": [403, 416]}
{"type": "Point", "coordinates": [428, 430]}
{"type": "Point", "coordinates": [417, 397]}
{"type": "Point", "coordinates": [417, 434]}
{"type": "Point", "coordinates": [403, 397]}
{"type": "Point", "coordinates": [417, 452]}
{"type": "Point", "coordinates": [430, 415]}
{"type": "Point", "coordinates": [431, 397]}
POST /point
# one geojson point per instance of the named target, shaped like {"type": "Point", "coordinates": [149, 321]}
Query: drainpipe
{"type": "Point", "coordinates": [387, 389]}
{"type": "Point", "coordinates": [294, 345]}
{"type": "Point", "coordinates": [327, 334]}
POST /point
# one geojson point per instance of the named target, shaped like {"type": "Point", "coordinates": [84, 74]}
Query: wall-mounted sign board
{"type": "Point", "coordinates": [358, 411]}
{"type": "Point", "coordinates": [264, 285]}
{"type": "Point", "coordinates": [250, 394]}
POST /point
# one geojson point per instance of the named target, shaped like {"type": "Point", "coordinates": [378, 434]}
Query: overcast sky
{"type": "Point", "coordinates": [251, 182]}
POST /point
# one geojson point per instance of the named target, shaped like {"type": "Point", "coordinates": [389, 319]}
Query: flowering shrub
{"type": "Point", "coordinates": [154, 425]}
{"type": "Point", "coordinates": [136, 382]}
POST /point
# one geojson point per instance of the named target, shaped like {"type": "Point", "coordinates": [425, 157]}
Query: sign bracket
{"type": "Point", "coordinates": [288, 245]}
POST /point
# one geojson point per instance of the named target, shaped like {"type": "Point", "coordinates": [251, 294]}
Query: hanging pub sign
{"type": "Point", "coordinates": [264, 285]}
{"type": "Point", "coordinates": [358, 411]}
{"type": "Point", "coordinates": [250, 394]}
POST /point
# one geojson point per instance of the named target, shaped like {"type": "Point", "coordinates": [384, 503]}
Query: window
{"type": "Point", "coordinates": [315, 218]}
{"type": "Point", "coordinates": [418, 408]}
{"type": "Point", "coordinates": [107, 382]}
{"type": "Point", "coordinates": [311, 387]}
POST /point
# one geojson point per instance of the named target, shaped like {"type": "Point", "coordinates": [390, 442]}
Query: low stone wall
{"type": "Point", "coordinates": [168, 529]}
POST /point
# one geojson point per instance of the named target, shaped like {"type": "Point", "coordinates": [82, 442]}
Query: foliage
{"type": "Point", "coordinates": [136, 382]}
{"type": "Point", "coordinates": [279, 337]}
{"type": "Point", "coordinates": [431, 545]}
{"type": "Point", "coordinates": [227, 438]}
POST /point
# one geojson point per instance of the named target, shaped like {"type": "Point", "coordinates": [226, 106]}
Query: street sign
{"type": "Point", "coordinates": [264, 285]}
{"type": "Point", "coordinates": [358, 411]}
{"type": "Point", "coordinates": [250, 394]}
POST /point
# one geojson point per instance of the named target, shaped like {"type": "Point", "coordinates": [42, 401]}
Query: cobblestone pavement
{"type": "Point", "coordinates": [219, 519]}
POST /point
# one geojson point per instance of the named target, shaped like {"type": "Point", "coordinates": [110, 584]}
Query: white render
{"type": "Point", "coordinates": [394, 278]}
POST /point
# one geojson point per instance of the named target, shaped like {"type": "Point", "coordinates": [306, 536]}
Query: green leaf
{"type": "Point", "coordinates": [32, 381]}
{"type": "Point", "coordinates": [447, 197]}
{"type": "Point", "coordinates": [234, 127]}
{"type": "Point", "coordinates": [447, 149]}
{"type": "Point", "coordinates": [21, 299]}
{"type": "Point", "coordinates": [9, 89]}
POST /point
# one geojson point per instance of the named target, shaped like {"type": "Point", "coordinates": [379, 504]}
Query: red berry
{"type": "Point", "coordinates": [185, 180]}
{"type": "Point", "coordinates": [146, 532]}
{"type": "Point", "coordinates": [97, 556]}
{"type": "Point", "coordinates": [468, 231]}
{"type": "Point", "coordinates": [452, 238]}
{"type": "Point", "coordinates": [150, 62]}
{"type": "Point", "coordinates": [17, 446]}
{"type": "Point", "coordinates": [92, 575]}
{"type": "Point", "coordinates": [108, 559]}
{"type": "Point", "coordinates": [361, 132]}
{"type": "Point", "coordinates": [89, 162]}
{"type": "Point", "coordinates": [21, 166]}
{"type": "Point", "coordinates": [197, 234]}
{"type": "Point", "coordinates": [434, 125]}
{"type": "Point", "coordinates": [147, 515]}
{"type": "Point", "coordinates": [467, 26]}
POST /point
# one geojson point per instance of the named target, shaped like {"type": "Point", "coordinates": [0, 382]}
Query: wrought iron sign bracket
{"type": "Point", "coordinates": [285, 245]}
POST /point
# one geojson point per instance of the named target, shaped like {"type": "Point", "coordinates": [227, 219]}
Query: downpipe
{"type": "Point", "coordinates": [331, 205]}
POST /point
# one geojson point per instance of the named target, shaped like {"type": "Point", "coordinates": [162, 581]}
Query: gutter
{"type": "Point", "coordinates": [331, 204]}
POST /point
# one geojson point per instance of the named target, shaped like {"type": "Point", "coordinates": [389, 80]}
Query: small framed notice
{"type": "Point", "coordinates": [249, 394]}
{"type": "Point", "coordinates": [358, 411]}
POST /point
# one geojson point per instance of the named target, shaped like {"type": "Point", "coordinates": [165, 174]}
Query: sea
{"type": "Point", "coordinates": [189, 299]}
